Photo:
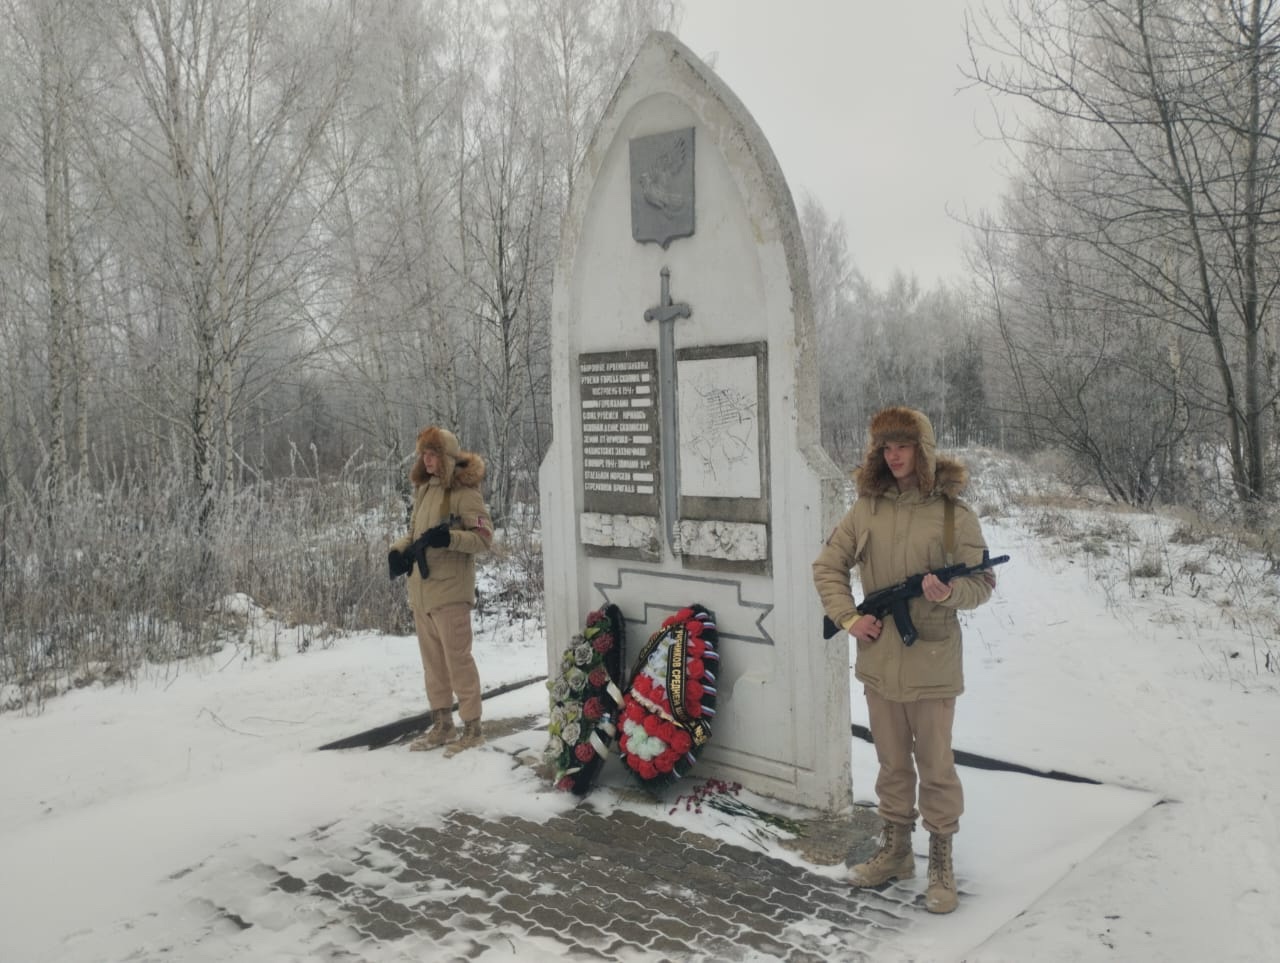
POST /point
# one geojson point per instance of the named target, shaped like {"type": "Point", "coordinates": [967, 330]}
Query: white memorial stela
{"type": "Point", "coordinates": [620, 434]}
{"type": "Point", "coordinates": [686, 463]}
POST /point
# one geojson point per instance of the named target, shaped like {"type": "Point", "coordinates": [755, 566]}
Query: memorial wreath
{"type": "Point", "coordinates": [584, 702]}
{"type": "Point", "coordinates": [670, 698]}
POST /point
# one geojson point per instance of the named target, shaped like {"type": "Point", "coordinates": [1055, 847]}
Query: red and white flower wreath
{"type": "Point", "coordinates": [670, 699]}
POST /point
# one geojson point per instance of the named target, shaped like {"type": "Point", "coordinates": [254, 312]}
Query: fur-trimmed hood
{"type": "Point", "coordinates": [939, 473]}
{"type": "Point", "coordinates": [458, 468]}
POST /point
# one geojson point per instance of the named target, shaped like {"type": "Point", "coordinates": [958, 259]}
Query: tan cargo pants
{"type": "Point", "coordinates": [908, 735]}
{"type": "Point", "coordinates": [448, 669]}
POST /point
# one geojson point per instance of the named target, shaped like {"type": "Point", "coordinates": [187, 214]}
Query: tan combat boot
{"type": "Point", "coordinates": [893, 860]}
{"type": "Point", "coordinates": [440, 733]}
{"type": "Point", "coordinates": [472, 736]}
{"type": "Point", "coordinates": [941, 896]}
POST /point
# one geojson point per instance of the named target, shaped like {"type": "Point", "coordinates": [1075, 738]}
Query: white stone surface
{"type": "Point", "coordinates": [618, 531]}
{"type": "Point", "coordinates": [731, 541]}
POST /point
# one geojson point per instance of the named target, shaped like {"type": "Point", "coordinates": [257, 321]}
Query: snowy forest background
{"type": "Point", "coordinates": [248, 249]}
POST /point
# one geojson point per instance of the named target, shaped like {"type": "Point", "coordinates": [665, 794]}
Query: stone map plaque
{"type": "Point", "coordinates": [724, 456]}
{"type": "Point", "coordinates": [619, 406]}
{"type": "Point", "coordinates": [719, 427]}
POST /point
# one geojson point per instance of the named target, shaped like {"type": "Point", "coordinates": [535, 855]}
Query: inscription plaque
{"type": "Point", "coordinates": [620, 432]}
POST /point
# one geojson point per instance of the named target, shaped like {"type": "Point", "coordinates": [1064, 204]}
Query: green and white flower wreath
{"type": "Point", "coordinates": [584, 702]}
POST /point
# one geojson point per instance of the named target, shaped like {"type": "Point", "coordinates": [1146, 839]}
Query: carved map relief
{"type": "Point", "coordinates": [723, 453]}
{"type": "Point", "coordinates": [719, 417]}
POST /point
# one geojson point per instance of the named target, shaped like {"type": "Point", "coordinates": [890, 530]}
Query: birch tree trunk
{"type": "Point", "coordinates": [240, 116]}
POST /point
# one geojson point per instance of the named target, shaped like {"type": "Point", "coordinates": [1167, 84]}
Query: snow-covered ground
{"type": "Point", "coordinates": [1159, 687]}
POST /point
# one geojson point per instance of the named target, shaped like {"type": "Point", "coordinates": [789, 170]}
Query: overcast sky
{"type": "Point", "coordinates": [859, 101]}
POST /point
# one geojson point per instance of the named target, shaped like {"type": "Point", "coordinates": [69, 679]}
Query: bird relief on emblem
{"type": "Point", "coordinates": [662, 186]}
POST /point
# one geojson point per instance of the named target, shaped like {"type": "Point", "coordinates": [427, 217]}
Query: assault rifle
{"type": "Point", "coordinates": [435, 537]}
{"type": "Point", "coordinates": [894, 599]}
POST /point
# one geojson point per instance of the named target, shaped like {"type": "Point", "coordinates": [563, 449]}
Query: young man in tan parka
{"type": "Point", "coordinates": [450, 524]}
{"type": "Point", "coordinates": [908, 519]}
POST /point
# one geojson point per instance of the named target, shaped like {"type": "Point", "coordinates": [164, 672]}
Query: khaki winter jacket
{"type": "Point", "coordinates": [891, 535]}
{"type": "Point", "coordinates": [454, 495]}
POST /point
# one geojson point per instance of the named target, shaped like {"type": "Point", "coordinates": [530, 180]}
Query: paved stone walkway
{"type": "Point", "coordinates": [593, 882]}
{"type": "Point", "coordinates": [651, 892]}
{"type": "Point", "coordinates": [583, 885]}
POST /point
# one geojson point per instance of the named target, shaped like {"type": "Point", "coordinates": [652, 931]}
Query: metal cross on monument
{"type": "Point", "coordinates": [665, 313]}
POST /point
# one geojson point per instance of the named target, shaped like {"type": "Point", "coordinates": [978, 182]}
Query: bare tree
{"type": "Point", "coordinates": [902, 345]}
{"type": "Point", "coordinates": [577, 53]}
{"type": "Point", "coordinates": [391, 233]}
{"type": "Point", "coordinates": [557, 63]}
{"type": "Point", "coordinates": [834, 282]}
{"type": "Point", "coordinates": [1156, 158]}
{"type": "Point", "coordinates": [1085, 371]}
{"type": "Point", "coordinates": [51, 51]}
{"type": "Point", "coordinates": [509, 234]}
{"type": "Point", "coordinates": [235, 115]}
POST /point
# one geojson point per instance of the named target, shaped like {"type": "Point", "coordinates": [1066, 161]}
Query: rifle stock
{"type": "Point", "coordinates": [895, 599]}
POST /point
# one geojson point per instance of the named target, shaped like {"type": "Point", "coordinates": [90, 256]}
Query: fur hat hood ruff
{"type": "Point", "coordinates": [458, 468]}
{"type": "Point", "coordinates": [939, 473]}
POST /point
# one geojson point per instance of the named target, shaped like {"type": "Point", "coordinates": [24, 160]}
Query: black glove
{"type": "Point", "coordinates": [439, 536]}
{"type": "Point", "coordinates": [398, 563]}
